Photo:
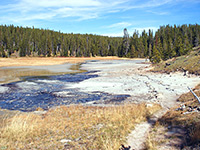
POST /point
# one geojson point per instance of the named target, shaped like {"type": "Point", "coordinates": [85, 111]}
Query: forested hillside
{"type": "Point", "coordinates": [40, 42]}
{"type": "Point", "coordinates": [167, 42]}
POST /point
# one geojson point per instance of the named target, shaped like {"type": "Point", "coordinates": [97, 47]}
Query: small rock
{"type": "Point", "coordinates": [99, 126]}
{"type": "Point", "coordinates": [77, 139]}
{"type": "Point", "coordinates": [185, 113]}
{"type": "Point", "coordinates": [195, 107]}
{"type": "Point", "coordinates": [183, 106]}
{"type": "Point", "coordinates": [190, 109]}
{"type": "Point", "coordinates": [198, 108]}
{"type": "Point", "coordinates": [65, 141]}
{"type": "Point", "coordinates": [40, 112]}
{"type": "Point", "coordinates": [149, 105]}
{"type": "Point", "coordinates": [122, 147]}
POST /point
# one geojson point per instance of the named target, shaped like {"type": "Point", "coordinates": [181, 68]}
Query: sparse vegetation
{"type": "Point", "coordinates": [190, 63]}
{"type": "Point", "coordinates": [82, 127]}
{"type": "Point", "coordinates": [184, 119]}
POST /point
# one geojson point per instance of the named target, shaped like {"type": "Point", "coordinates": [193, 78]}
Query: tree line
{"type": "Point", "coordinates": [42, 42]}
{"type": "Point", "coordinates": [167, 42]}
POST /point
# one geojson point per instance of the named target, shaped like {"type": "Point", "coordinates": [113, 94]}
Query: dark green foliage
{"type": "Point", "coordinates": [156, 56]}
{"type": "Point", "coordinates": [40, 42]}
{"type": "Point", "coordinates": [167, 42]}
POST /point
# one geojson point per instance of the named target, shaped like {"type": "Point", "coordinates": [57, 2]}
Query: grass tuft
{"type": "Point", "coordinates": [190, 63]}
{"type": "Point", "coordinates": [178, 119]}
{"type": "Point", "coordinates": [83, 127]}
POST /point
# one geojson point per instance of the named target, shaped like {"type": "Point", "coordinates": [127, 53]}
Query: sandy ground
{"type": "Point", "coordinates": [43, 61]}
{"type": "Point", "coordinates": [135, 79]}
{"type": "Point", "coordinates": [11, 69]}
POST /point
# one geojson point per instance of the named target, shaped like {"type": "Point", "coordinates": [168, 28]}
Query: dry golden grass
{"type": "Point", "coordinates": [188, 122]}
{"type": "Point", "coordinates": [190, 63]}
{"type": "Point", "coordinates": [38, 61]}
{"type": "Point", "coordinates": [189, 97]}
{"type": "Point", "coordinates": [12, 75]}
{"type": "Point", "coordinates": [85, 127]}
{"type": "Point", "coordinates": [150, 143]}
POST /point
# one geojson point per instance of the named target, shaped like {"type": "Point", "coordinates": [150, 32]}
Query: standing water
{"type": "Point", "coordinates": [49, 91]}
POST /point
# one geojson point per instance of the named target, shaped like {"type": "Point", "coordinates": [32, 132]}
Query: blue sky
{"type": "Point", "coordinates": [101, 17]}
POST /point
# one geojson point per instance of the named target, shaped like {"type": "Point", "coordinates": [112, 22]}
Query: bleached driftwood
{"type": "Point", "coordinates": [194, 94]}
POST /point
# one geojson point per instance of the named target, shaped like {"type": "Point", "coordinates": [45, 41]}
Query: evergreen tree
{"type": "Point", "coordinates": [144, 40]}
{"type": "Point", "coordinates": [170, 49]}
{"type": "Point", "coordinates": [156, 58]}
{"type": "Point", "coordinates": [133, 53]}
{"type": "Point", "coordinates": [196, 41]}
{"type": "Point", "coordinates": [169, 41]}
{"type": "Point", "coordinates": [179, 47]}
{"type": "Point", "coordinates": [150, 43]}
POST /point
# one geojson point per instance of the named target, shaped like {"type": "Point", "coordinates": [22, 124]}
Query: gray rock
{"type": "Point", "coordinates": [40, 112]}
{"type": "Point", "coordinates": [66, 141]}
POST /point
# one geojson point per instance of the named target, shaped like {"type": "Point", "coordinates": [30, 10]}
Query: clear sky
{"type": "Point", "coordinates": [101, 17]}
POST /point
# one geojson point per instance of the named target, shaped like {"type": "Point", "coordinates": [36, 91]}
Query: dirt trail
{"type": "Point", "coordinates": [137, 138]}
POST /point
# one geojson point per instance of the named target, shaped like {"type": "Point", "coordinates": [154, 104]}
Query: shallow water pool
{"type": "Point", "coordinates": [50, 91]}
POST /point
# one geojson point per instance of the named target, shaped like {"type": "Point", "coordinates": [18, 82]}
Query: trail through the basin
{"type": "Point", "coordinates": [137, 138]}
{"type": "Point", "coordinates": [136, 80]}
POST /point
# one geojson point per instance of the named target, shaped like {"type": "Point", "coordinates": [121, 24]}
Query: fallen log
{"type": "Point", "coordinates": [194, 94]}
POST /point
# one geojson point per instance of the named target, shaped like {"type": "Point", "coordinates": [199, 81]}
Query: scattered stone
{"type": "Point", "coordinates": [122, 147]}
{"type": "Point", "coordinates": [188, 109]}
{"type": "Point", "coordinates": [181, 108]}
{"type": "Point", "coordinates": [198, 108]}
{"type": "Point", "coordinates": [99, 126]}
{"type": "Point", "coordinates": [66, 141]}
{"type": "Point", "coordinates": [40, 112]}
{"type": "Point", "coordinates": [185, 113]}
{"type": "Point", "coordinates": [167, 64]}
{"type": "Point", "coordinates": [149, 105]}
{"type": "Point", "coordinates": [77, 139]}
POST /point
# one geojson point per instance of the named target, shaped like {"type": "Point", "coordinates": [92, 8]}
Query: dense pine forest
{"type": "Point", "coordinates": [167, 42]}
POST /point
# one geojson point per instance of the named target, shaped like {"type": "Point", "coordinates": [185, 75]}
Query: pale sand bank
{"type": "Point", "coordinates": [11, 69]}
{"type": "Point", "coordinates": [133, 78]}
